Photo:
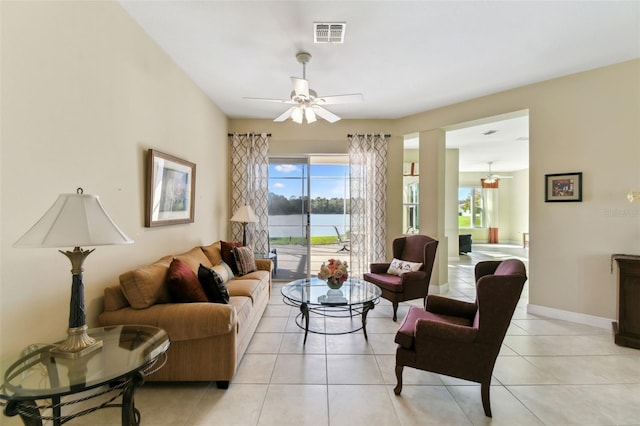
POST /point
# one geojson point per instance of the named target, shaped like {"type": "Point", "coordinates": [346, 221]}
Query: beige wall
{"type": "Point", "coordinates": [84, 93]}
{"type": "Point", "coordinates": [585, 122]}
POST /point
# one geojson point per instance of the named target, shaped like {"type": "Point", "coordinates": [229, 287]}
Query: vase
{"type": "Point", "coordinates": [334, 284]}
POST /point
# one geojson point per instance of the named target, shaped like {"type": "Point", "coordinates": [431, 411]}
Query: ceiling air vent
{"type": "Point", "coordinates": [328, 32]}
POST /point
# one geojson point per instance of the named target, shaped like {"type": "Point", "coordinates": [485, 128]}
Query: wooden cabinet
{"type": "Point", "coordinates": [627, 328]}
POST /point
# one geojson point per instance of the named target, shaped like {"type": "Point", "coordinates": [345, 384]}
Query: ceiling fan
{"type": "Point", "coordinates": [306, 102]}
{"type": "Point", "coordinates": [491, 178]}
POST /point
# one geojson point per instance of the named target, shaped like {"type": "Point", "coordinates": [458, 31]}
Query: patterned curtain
{"type": "Point", "coordinates": [368, 187]}
{"type": "Point", "coordinates": [249, 185]}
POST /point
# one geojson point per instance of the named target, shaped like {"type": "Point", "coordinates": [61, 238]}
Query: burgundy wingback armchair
{"type": "Point", "coordinates": [410, 285]}
{"type": "Point", "coordinates": [462, 339]}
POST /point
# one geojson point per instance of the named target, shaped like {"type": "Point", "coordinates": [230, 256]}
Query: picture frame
{"type": "Point", "coordinates": [563, 187]}
{"type": "Point", "coordinates": [170, 191]}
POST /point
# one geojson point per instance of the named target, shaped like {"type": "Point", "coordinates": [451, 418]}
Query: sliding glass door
{"type": "Point", "coordinates": [289, 216]}
{"type": "Point", "coordinates": [308, 213]}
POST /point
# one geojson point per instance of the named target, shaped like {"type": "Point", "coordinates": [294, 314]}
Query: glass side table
{"type": "Point", "coordinates": [128, 354]}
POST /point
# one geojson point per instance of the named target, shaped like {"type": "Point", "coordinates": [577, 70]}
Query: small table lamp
{"type": "Point", "coordinates": [75, 220]}
{"type": "Point", "coordinates": [244, 215]}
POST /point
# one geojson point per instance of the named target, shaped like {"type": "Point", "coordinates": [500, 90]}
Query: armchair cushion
{"type": "Point", "coordinates": [389, 282]}
{"type": "Point", "coordinates": [405, 336]}
{"type": "Point", "coordinates": [399, 267]}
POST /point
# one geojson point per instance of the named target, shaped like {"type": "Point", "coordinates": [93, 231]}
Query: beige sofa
{"type": "Point", "coordinates": [207, 339]}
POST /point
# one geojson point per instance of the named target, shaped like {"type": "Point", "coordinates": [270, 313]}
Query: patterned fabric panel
{"type": "Point", "coordinates": [249, 186]}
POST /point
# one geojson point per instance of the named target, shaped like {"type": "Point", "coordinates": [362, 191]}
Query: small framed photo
{"type": "Point", "coordinates": [562, 187]}
{"type": "Point", "coordinates": [171, 189]}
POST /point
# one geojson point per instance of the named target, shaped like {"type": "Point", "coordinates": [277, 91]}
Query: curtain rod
{"type": "Point", "coordinates": [366, 134]}
{"type": "Point", "coordinates": [231, 134]}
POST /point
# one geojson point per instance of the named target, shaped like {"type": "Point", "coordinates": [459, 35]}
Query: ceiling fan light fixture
{"type": "Point", "coordinates": [297, 115]}
{"type": "Point", "coordinates": [309, 115]}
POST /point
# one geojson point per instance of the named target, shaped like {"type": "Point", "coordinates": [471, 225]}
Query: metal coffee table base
{"type": "Point", "coordinates": [333, 311]}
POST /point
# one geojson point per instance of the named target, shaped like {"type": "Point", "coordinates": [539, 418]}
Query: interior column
{"type": "Point", "coordinates": [432, 152]}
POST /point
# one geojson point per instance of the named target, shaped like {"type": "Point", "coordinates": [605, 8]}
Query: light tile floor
{"type": "Point", "coordinates": [549, 372]}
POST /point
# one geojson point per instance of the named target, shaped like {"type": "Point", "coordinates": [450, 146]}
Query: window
{"type": "Point", "coordinates": [470, 208]}
{"type": "Point", "coordinates": [410, 205]}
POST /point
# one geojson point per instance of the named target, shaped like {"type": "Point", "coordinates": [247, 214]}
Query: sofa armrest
{"type": "Point", "coordinates": [264, 265]}
{"type": "Point", "coordinates": [182, 321]}
{"type": "Point", "coordinates": [447, 306]}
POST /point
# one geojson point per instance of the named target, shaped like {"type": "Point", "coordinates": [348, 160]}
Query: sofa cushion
{"type": "Point", "coordinates": [146, 286]}
{"type": "Point", "coordinates": [193, 258]}
{"type": "Point", "coordinates": [183, 283]}
{"type": "Point", "coordinates": [226, 251]}
{"type": "Point", "coordinates": [212, 252]}
{"type": "Point", "coordinates": [399, 267]}
{"type": "Point", "coordinates": [245, 261]}
{"type": "Point", "coordinates": [213, 285]}
{"type": "Point", "coordinates": [248, 287]}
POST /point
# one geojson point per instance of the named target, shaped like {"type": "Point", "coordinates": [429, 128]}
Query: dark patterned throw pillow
{"type": "Point", "coordinates": [245, 261]}
{"type": "Point", "coordinates": [213, 285]}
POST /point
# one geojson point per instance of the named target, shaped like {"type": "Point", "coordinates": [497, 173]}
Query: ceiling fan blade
{"type": "Point", "coordinates": [285, 114]}
{"type": "Point", "coordinates": [300, 86]}
{"type": "Point", "coordinates": [340, 99]}
{"type": "Point", "coordinates": [327, 115]}
{"type": "Point", "coordinates": [280, 101]}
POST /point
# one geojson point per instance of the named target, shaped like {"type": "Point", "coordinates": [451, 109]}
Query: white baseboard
{"type": "Point", "coordinates": [439, 289]}
{"type": "Point", "coordinates": [576, 317]}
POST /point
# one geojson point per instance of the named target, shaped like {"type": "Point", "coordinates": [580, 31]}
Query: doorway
{"type": "Point", "coordinates": [308, 213]}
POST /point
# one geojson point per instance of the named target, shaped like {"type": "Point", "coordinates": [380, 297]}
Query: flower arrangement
{"type": "Point", "coordinates": [334, 270]}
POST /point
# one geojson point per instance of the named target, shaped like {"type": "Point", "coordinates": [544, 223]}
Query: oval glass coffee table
{"type": "Point", "coordinates": [313, 295]}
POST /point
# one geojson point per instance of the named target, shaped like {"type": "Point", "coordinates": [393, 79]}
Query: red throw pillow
{"type": "Point", "coordinates": [226, 251]}
{"type": "Point", "coordinates": [183, 283]}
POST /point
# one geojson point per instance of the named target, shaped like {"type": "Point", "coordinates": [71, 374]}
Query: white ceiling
{"type": "Point", "coordinates": [405, 57]}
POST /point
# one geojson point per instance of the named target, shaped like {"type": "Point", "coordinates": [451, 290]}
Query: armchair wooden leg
{"type": "Point", "coordinates": [395, 311]}
{"type": "Point", "coordinates": [486, 403]}
{"type": "Point", "coordinates": [398, 387]}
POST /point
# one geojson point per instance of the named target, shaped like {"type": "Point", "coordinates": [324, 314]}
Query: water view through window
{"type": "Point", "coordinates": [308, 191]}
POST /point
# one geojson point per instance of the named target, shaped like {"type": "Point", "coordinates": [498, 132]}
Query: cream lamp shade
{"type": "Point", "coordinates": [244, 215]}
{"type": "Point", "coordinates": [75, 220]}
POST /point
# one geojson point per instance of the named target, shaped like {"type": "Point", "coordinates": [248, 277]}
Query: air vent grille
{"type": "Point", "coordinates": [329, 32]}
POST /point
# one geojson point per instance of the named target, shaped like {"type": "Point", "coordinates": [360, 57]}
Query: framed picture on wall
{"type": "Point", "coordinates": [171, 189]}
{"type": "Point", "coordinates": [561, 187]}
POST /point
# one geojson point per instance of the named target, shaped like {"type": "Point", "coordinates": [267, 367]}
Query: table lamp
{"type": "Point", "coordinates": [244, 215]}
{"type": "Point", "coordinates": [75, 220]}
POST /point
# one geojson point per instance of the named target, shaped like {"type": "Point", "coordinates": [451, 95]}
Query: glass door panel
{"type": "Point", "coordinates": [288, 216]}
{"type": "Point", "coordinates": [330, 220]}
